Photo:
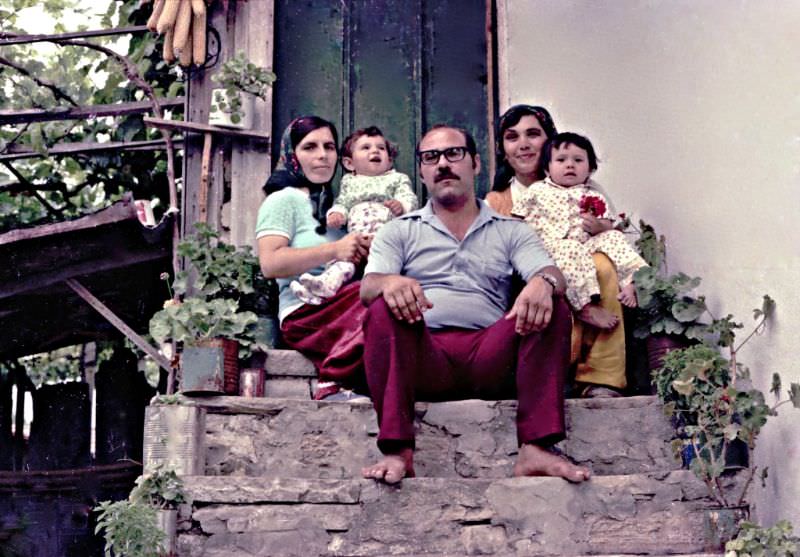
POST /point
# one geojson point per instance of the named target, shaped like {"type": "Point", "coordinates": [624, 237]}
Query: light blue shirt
{"type": "Point", "coordinates": [288, 213]}
{"type": "Point", "coordinates": [468, 281]}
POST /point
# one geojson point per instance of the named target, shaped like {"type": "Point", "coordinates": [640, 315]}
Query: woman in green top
{"type": "Point", "coordinates": [293, 239]}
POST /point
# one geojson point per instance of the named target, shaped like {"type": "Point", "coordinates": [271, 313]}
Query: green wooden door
{"type": "Point", "coordinates": [401, 65]}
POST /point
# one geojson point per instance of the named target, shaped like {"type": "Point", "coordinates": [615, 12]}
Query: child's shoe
{"type": "Point", "coordinates": [303, 294]}
{"type": "Point", "coordinates": [330, 281]}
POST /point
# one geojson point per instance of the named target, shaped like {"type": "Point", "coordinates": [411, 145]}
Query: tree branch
{"type": "Point", "coordinates": [32, 188]}
{"type": "Point", "coordinates": [58, 93]}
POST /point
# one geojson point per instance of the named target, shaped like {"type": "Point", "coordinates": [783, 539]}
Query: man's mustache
{"type": "Point", "coordinates": [445, 174]}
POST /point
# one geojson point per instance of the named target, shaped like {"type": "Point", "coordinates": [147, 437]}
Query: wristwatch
{"type": "Point", "coordinates": [548, 278]}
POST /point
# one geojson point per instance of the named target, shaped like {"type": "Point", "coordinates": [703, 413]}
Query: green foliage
{"type": "Point", "coordinates": [130, 529]}
{"type": "Point", "coordinates": [70, 186]}
{"type": "Point", "coordinates": [218, 269]}
{"type": "Point", "coordinates": [651, 246]}
{"type": "Point", "coordinates": [665, 306]}
{"type": "Point", "coordinates": [239, 75]}
{"type": "Point", "coordinates": [130, 526]}
{"type": "Point", "coordinates": [217, 278]}
{"type": "Point", "coordinates": [196, 319]}
{"type": "Point", "coordinates": [64, 364]}
{"type": "Point", "coordinates": [757, 541]}
{"type": "Point", "coordinates": [701, 388]}
{"type": "Point", "coordinates": [162, 489]}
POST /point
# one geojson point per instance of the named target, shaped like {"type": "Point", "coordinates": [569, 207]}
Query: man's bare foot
{"type": "Point", "coordinates": [536, 461]}
{"type": "Point", "coordinates": [392, 467]}
{"type": "Point", "coordinates": [627, 296]}
{"type": "Point", "coordinates": [597, 316]}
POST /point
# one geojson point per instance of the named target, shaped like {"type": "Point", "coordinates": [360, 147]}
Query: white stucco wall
{"type": "Point", "coordinates": [694, 108]}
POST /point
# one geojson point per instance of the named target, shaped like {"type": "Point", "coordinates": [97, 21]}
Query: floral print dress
{"type": "Point", "coordinates": [554, 212]}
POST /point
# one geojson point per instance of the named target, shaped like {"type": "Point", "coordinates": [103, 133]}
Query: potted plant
{"type": "Point", "coordinates": [144, 524]}
{"type": "Point", "coordinates": [204, 316]}
{"type": "Point", "coordinates": [715, 408]}
{"type": "Point", "coordinates": [667, 315]}
{"type": "Point", "coordinates": [756, 541]}
{"type": "Point", "coordinates": [240, 82]}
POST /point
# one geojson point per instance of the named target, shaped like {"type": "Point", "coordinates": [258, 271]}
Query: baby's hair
{"type": "Point", "coordinates": [371, 131]}
{"type": "Point", "coordinates": [564, 139]}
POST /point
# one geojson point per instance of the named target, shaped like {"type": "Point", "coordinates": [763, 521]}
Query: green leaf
{"type": "Point", "coordinates": [684, 387]}
{"type": "Point", "coordinates": [688, 309]}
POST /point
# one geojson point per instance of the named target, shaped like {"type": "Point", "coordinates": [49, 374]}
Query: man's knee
{"type": "Point", "coordinates": [378, 313]}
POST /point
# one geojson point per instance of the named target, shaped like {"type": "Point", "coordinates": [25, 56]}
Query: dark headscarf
{"type": "Point", "coordinates": [511, 117]}
{"type": "Point", "coordinates": [289, 174]}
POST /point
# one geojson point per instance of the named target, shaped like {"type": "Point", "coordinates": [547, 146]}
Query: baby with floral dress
{"type": "Point", "coordinates": [370, 194]}
{"type": "Point", "coordinates": [572, 217]}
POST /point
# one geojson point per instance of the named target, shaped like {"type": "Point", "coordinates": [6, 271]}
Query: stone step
{"type": "Point", "coordinates": [467, 439]}
{"type": "Point", "coordinates": [652, 514]}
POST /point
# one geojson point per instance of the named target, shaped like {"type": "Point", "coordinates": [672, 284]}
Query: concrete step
{"type": "Point", "coordinates": [650, 514]}
{"type": "Point", "coordinates": [461, 439]}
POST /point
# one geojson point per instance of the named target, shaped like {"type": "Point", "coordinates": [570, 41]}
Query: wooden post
{"type": "Point", "coordinates": [250, 163]}
{"type": "Point", "coordinates": [205, 164]}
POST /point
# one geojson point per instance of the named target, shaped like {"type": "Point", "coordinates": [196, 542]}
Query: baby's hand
{"type": "Point", "coordinates": [395, 207]}
{"type": "Point", "coordinates": [335, 220]}
{"type": "Point", "coordinates": [593, 226]}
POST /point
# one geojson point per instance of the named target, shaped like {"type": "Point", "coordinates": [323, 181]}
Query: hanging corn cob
{"type": "Point", "coordinates": [183, 24]}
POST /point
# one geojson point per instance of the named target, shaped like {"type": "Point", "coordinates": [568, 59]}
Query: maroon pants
{"type": "Point", "coordinates": [332, 337]}
{"type": "Point", "coordinates": [407, 362]}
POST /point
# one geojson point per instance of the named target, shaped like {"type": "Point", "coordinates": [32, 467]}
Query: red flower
{"type": "Point", "coordinates": [592, 204]}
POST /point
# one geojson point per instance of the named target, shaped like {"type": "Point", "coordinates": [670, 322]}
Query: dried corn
{"type": "Point", "coordinates": [168, 15]}
{"type": "Point", "coordinates": [152, 21]}
{"type": "Point", "coordinates": [198, 32]}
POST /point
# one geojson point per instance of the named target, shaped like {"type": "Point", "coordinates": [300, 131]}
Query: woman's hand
{"type": "Point", "coordinates": [335, 220]}
{"type": "Point", "coordinates": [594, 226]}
{"type": "Point", "coordinates": [354, 247]}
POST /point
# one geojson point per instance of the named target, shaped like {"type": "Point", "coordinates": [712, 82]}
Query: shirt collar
{"type": "Point", "coordinates": [485, 214]}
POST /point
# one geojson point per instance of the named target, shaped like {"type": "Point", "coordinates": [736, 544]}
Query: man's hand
{"type": "Point", "coordinates": [335, 220]}
{"type": "Point", "coordinates": [594, 226]}
{"type": "Point", "coordinates": [395, 207]}
{"type": "Point", "coordinates": [405, 298]}
{"type": "Point", "coordinates": [354, 247]}
{"type": "Point", "coordinates": [533, 307]}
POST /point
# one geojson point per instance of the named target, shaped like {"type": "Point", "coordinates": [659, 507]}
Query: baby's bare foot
{"type": "Point", "coordinates": [627, 296]}
{"type": "Point", "coordinates": [391, 468]}
{"type": "Point", "coordinates": [536, 461]}
{"type": "Point", "coordinates": [598, 317]}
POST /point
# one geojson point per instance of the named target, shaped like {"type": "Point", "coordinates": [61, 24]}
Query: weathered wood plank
{"type": "Point", "coordinates": [119, 211]}
{"type": "Point", "coordinates": [196, 127]}
{"type": "Point", "coordinates": [84, 112]}
{"type": "Point", "coordinates": [10, 38]}
{"type": "Point", "coordinates": [250, 163]}
{"type": "Point", "coordinates": [198, 106]}
{"type": "Point", "coordinates": [16, 152]}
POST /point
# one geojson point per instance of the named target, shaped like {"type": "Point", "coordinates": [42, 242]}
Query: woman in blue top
{"type": "Point", "coordinates": [293, 239]}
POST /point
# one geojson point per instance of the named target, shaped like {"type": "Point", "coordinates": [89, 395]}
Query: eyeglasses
{"type": "Point", "coordinates": [452, 154]}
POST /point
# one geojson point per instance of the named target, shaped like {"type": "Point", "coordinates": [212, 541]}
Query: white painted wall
{"type": "Point", "coordinates": [694, 108]}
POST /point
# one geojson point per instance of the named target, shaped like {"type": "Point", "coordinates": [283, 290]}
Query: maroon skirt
{"type": "Point", "coordinates": [332, 337]}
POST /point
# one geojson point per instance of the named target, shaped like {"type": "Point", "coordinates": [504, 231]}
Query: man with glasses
{"type": "Point", "coordinates": [438, 284]}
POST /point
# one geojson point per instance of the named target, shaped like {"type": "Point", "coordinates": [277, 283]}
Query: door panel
{"type": "Point", "coordinates": [402, 65]}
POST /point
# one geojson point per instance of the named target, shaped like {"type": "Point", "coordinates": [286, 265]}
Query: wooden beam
{"type": "Point", "coordinates": [196, 127]}
{"type": "Point", "coordinates": [112, 318]}
{"type": "Point", "coordinates": [15, 152]}
{"type": "Point", "coordinates": [11, 38]}
{"type": "Point", "coordinates": [84, 112]}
